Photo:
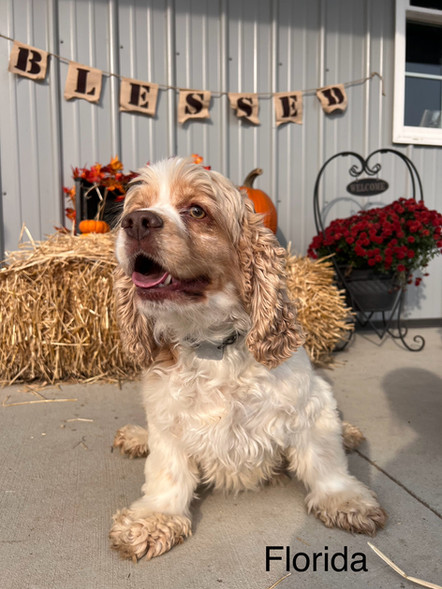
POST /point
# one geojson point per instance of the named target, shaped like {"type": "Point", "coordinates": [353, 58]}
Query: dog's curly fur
{"type": "Point", "coordinates": [197, 266]}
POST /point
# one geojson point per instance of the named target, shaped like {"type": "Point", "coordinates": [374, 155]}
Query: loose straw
{"type": "Point", "coordinates": [280, 580]}
{"type": "Point", "coordinates": [6, 404]}
{"type": "Point", "coordinates": [401, 572]}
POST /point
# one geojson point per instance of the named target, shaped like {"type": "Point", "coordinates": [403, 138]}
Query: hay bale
{"type": "Point", "coordinates": [322, 310]}
{"type": "Point", "coordinates": [57, 311]}
{"type": "Point", "coordinates": [57, 315]}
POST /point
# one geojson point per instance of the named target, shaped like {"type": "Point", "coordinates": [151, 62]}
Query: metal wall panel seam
{"type": "Point", "coordinates": [255, 129]}
{"type": "Point", "coordinates": [133, 73]}
{"type": "Point", "coordinates": [55, 107]}
{"type": "Point", "coordinates": [274, 61]}
{"type": "Point", "coordinates": [114, 83]}
{"type": "Point", "coordinates": [149, 29]}
{"type": "Point", "coordinates": [93, 61]}
{"type": "Point", "coordinates": [205, 79]}
{"type": "Point", "coordinates": [321, 63]}
{"type": "Point", "coordinates": [75, 106]}
{"type": "Point", "coordinates": [32, 141]}
{"type": "Point", "coordinates": [171, 78]}
{"type": "Point", "coordinates": [239, 128]}
{"type": "Point", "coordinates": [367, 107]}
{"type": "Point", "coordinates": [305, 199]}
{"type": "Point", "coordinates": [224, 135]}
{"type": "Point", "coordinates": [15, 124]}
{"type": "Point", "coordinates": [380, 96]}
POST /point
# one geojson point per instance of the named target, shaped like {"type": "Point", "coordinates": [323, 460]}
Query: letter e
{"type": "Point", "coordinates": [136, 95]}
{"type": "Point", "coordinates": [289, 106]}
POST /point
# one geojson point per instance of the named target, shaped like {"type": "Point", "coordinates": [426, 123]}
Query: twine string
{"type": "Point", "coordinates": [221, 92]}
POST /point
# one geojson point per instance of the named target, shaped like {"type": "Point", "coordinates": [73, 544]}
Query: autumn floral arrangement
{"type": "Point", "coordinates": [104, 182]}
{"type": "Point", "coordinates": [398, 238]}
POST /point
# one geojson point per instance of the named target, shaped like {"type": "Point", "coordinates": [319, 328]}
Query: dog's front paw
{"type": "Point", "coordinates": [351, 436]}
{"type": "Point", "coordinates": [359, 513]}
{"type": "Point", "coordinates": [155, 534]}
{"type": "Point", "coordinates": [132, 440]}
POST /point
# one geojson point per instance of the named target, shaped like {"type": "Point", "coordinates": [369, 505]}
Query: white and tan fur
{"type": "Point", "coordinates": [233, 423]}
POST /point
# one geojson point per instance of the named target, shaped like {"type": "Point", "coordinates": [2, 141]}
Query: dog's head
{"type": "Point", "coordinates": [193, 256]}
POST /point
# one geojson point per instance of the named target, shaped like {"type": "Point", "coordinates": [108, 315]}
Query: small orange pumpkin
{"type": "Point", "coordinates": [92, 226]}
{"type": "Point", "coordinates": [261, 201]}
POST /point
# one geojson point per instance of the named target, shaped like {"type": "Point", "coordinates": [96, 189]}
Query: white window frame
{"type": "Point", "coordinates": [403, 133]}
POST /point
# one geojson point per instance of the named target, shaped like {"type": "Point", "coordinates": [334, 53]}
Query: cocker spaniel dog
{"type": "Point", "coordinates": [230, 396]}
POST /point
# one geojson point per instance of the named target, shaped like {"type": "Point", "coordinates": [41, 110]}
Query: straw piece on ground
{"type": "Point", "coordinates": [401, 572]}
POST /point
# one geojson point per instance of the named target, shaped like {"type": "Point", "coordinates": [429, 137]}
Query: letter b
{"type": "Point", "coordinates": [24, 59]}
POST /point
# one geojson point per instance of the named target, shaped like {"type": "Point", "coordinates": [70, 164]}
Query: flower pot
{"type": "Point", "coordinates": [370, 291]}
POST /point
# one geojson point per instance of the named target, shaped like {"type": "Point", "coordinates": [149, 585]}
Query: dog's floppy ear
{"type": "Point", "coordinates": [135, 329]}
{"type": "Point", "coordinates": [275, 333]}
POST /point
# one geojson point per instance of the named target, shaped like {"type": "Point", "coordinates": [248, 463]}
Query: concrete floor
{"type": "Point", "coordinates": [60, 482]}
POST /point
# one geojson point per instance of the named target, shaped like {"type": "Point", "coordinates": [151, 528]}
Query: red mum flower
{"type": "Point", "coordinates": [365, 239]}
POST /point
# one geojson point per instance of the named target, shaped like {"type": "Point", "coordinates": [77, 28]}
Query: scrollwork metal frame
{"type": "Point", "coordinates": [366, 318]}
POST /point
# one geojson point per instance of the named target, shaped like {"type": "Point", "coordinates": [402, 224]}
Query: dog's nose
{"type": "Point", "coordinates": [139, 224]}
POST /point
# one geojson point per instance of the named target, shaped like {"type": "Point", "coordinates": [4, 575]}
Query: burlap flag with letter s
{"type": "Point", "coordinates": [245, 105]}
{"type": "Point", "coordinates": [193, 104]}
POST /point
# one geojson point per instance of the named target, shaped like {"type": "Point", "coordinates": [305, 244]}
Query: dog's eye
{"type": "Point", "coordinates": [197, 212]}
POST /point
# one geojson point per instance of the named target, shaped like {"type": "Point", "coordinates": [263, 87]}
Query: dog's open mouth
{"type": "Point", "coordinates": [153, 281]}
{"type": "Point", "coordinates": [148, 274]}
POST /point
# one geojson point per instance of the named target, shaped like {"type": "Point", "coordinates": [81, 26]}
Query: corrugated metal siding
{"type": "Point", "coordinates": [230, 45]}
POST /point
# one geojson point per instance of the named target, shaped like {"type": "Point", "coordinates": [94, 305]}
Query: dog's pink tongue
{"type": "Point", "coordinates": [143, 281]}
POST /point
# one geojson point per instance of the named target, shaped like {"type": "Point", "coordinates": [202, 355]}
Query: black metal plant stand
{"type": "Point", "coordinates": [383, 317]}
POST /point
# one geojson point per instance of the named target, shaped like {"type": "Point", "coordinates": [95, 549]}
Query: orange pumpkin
{"type": "Point", "coordinates": [92, 226]}
{"type": "Point", "coordinates": [261, 201]}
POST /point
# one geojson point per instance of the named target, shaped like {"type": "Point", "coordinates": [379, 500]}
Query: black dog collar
{"type": "Point", "coordinates": [207, 350]}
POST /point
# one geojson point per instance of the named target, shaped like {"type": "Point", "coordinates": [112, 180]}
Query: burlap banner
{"type": "Point", "coordinates": [83, 82]}
{"type": "Point", "coordinates": [138, 96]}
{"type": "Point", "coordinates": [28, 61]}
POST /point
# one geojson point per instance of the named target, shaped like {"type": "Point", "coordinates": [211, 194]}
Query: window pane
{"type": "Point", "coordinates": [424, 48]}
{"type": "Point", "coordinates": [423, 100]}
{"type": "Point", "coordinates": [423, 96]}
{"type": "Point", "coordinates": [426, 3]}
